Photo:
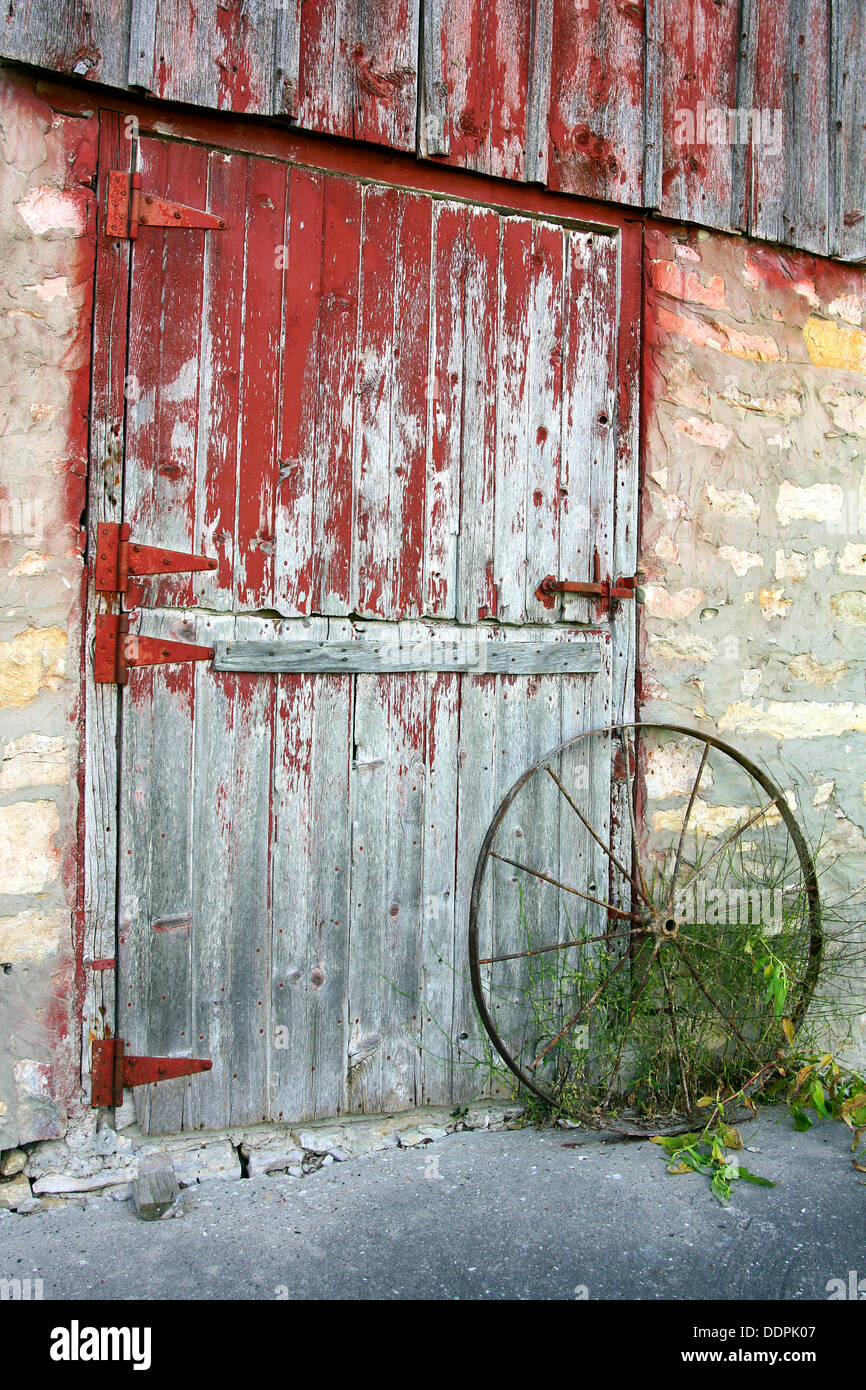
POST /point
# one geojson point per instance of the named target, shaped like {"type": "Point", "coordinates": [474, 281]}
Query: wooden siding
{"type": "Point", "coordinates": [586, 97]}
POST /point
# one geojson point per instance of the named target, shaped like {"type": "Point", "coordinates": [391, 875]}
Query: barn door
{"type": "Point", "coordinates": [387, 416]}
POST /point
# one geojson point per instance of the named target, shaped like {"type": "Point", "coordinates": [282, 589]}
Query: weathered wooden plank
{"type": "Point", "coordinates": [653, 153]}
{"type": "Point", "coordinates": [595, 123]}
{"type": "Point", "coordinates": [156, 856]}
{"type": "Point", "coordinates": [163, 369]}
{"type": "Point", "coordinates": [110, 317]}
{"type": "Point", "coordinates": [544, 393]}
{"type": "Point", "coordinates": [428, 652]}
{"type": "Point", "coordinates": [217, 55]}
{"type": "Point", "coordinates": [476, 78]}
{"type": "Point", "coordinates": [142, 43]}
{"type": "Point", "coordinates": [372, 559]}
{"type": "Point", "coordinates": [219, 381]}
{"type": "Point", "coordinates": [287, 58]}
{"type": "Point", "coordinates": [342, 235]}
{"type": "Point", "coordinates": [476, 592]}
{"type": "Point", "coordinates": [790, 160]}
{"type": "Point", "coordinates": [215, 838]}
{"type": "Point", "coordinates": [310, 890]}
{"type": "Point", "coordinates": [89, 41]}
{"type": "Point", "coordinates": [699, 48]}
{"type": "Point", "coordinates": [540, 77]}
{"type": "Point", "coordinates": [475, 806]}
{"type": "Point", "coordinates": [248, 872]}
{"type": "Point", "coordinates": [438, 907]}
{"type": "Point", "coordinates": [847, 130]}
{"type": "Point", "coordinates": [512, 421]}
{"type": "Point", "coordinates": [589, 416]}
{"type": "Point", "coordinates": [409, 407]}
{"type": "Point", "coordinates": [357, 71]}
{"type": "Point", "coordinates": [265, 208]}
{"type": "Point", "coordinates": [445, 391]}
{"type": "Point", "coordinates": [303, 305]}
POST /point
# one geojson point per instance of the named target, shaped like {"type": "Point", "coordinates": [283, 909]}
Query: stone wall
{"type": "Point", "coordinates": [754, 525]}
{"type": "Point", "coordinates": [47, 166]}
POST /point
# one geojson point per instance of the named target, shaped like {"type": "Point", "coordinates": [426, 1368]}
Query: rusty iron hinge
{"type": "Point", "coordinates": [117, 651]}
{"type": "Point", "coordinates": [129, 208]}
{"type": "Point", "coordinates": [118, 558]}
{"type": "Point", "coordinates": [111, 1070]}
{"type": "Point", "coordinates": [597, 587]}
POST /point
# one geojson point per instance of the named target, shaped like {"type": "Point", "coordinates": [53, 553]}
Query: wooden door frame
{"type": "Point", "coordinates": [118, 117]}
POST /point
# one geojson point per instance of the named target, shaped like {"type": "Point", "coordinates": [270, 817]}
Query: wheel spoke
{"type": "Point", "coordinates": [643, 984]}
{"type": "Point", "coordinates": [599, 841]}
{"type": "Point", "coordinates": [686, 818]}
{"type": "Point", "coordinates": [735, 835]}
{"type": "Point", "coordinates": [676, 1036]}
{"type": "Point", "coordinates": [536, 873]}
{"type": "Point", "coordinates": [702, 987]}
{"type": "Point", "coordinates": [579, 1015]}
{"type": "Point", "coordinates": [564, 945]}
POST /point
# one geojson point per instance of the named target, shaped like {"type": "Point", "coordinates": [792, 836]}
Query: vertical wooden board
{"type": "Point", "coordinates": [358, 70]}
{"type": "Point", "coordinates": [476, 803]}
{"type": "Point", "coordinates": [387, 798]}
{"type": "Point", "coordinates": [848, 130]}
{"type": "Point", "coordinates": [212, 55]}
{"type": "Point", "coordinates": [438, 901]}
{"type": "Point", "coordinates": [219, 380]}
{"type": "Point", "coordinates": [65, 36]}
{"type": "Point", "coordinates": [790, 162]}
{"type": "Point", "coordinates": [213, 836]}
{"type": "Point", "coordinates": [699, 49]}
{"type": "Point", "coordinates": [595, 119]}
{"type": "Point", "coordinates": [339, 311]}
{"type": "Point", "coordinates": [544, 388]}
{"type": "Point", "coordinates": [371, 529]}
{"type": "Point", "coordinates": [248, 870]}
{"type": "Point", "coordinates": [163, 371]}
{"type": "Point", "coordinates": [626, 498]}
{"type": "Point", "coordinates": [299, 403]}
{"type": "Point", "coordinates": [476, 70]}
{"type": "Point", "coordinates": [586, 705]}
{"type": "Point", "coordinates": [262, 336]}
{"type": "Point", "coordinates": [589, 419]}
{"type": "Point", "coordinates": [310, 868]}
{"type": "Point", "coordinates": [476, 592]}
{"type": "Point", "coordinates": [105, 498]}
{"type": "Point", "coordinates": [156, 858]}
{"type": "Point", "coordinates": [408, 432]}
{"type": "Point", "coordinates": [368, 947]}
{"type": "Point", "coordinates": [445, 390]}
{"type": "Point", "coordinates": [524, 906]}
{"type": "Point", "coordinates": [512, 420]}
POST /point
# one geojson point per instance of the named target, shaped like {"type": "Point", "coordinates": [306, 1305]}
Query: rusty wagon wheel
{"type": "Point", "coordinates": [645, 922]}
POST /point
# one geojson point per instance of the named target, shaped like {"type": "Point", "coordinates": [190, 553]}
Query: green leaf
{"type": "Point", "coordinates": [672, 1143]}
{"type": "Point", "coordinates": [816, 1091]}
{"type": "Point", "coordinates": [755, 1178]}
{"type": "Point", "coordinates": [720, 1189]}
{"type": "Point", "coordinates": [800, 1118]}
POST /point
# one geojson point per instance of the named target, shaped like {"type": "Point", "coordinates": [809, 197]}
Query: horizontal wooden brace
{"type": "Point", "coordinates": [384, 658]}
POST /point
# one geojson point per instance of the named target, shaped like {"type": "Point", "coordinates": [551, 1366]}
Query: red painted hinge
{"type": "Point", "coordinates": [117, 557]}
{"type": "Point", "coordinates": [129, 208]}
{"type": "Point", "coordinates": [117, 651]}
{"type": "Point", "coordinates": [111, 1070]}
